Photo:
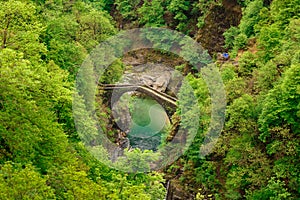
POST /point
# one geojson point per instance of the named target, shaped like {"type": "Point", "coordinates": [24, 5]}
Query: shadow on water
{"type": "Point", "coordinates": [149, 122]}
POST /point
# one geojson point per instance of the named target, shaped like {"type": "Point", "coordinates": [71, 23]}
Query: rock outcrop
{"type": "Point", "coordinates": [157, 76]}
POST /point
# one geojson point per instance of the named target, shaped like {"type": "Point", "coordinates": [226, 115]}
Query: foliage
{"type": "Point", "coordinates": [274, 190]}
{"type": "Point", "coordinates": [247, 63]}
{"type": "Point", "coordinates": [20, 28]}
{"type": "Point", "coordinates": [270, 40]}
{"type": "Point", "coordinates": [230, 36]}
{"type": "Point", "coordinates": [178, 9]}
{"type": "Point", "coordinates": [39, 153]}
{"type": "Point", "coordinates": [19, 182]}
{"type": "Point", "coordinates": [275, 112]}
{"type": "Point", "coordinates": [151, 13]}
{"type": "Point", "coordinates": [204, 7]}
{"type": "Point", "coordinates": [128, 8]}
{"type": "Point", "coordinates": [237, 38]}
{"type": "Point", "coordinates": [250, 17]}
{"type": "Point", "coordinates": [43, 44]}
{"type": "Point", "coordinates": [71, 35]}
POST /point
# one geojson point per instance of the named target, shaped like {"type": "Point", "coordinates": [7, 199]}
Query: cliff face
{"type": "Point", "coordinates": [219, 19]}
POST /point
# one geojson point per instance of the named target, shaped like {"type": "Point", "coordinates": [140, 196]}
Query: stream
{"type": "Point", "coordinates": [142, 118]}
{"type": "Point", "coordinates": [148, 122]}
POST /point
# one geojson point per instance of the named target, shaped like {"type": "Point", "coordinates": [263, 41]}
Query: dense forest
{"type": "Point", "coordinates": [43, 44]}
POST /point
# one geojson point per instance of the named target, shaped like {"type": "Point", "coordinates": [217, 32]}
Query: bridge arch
{"type": "Point", "coordinates": [168, 102]}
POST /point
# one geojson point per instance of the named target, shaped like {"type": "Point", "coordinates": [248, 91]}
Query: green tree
{"type": "Point", "coordinates": [29, 97]}
{"type": "Point", "coordinates": [274, 190]}
{"type": "Point", "coordinates": [282, 11]}
{"type": "Point", "coordinates": [178, 9]}
{"type": "Point", "coordinates": [152, 13]}
{"type": "Point", "coordinates": [279, 127]}
{"type": "Point", "coordinates": [70, 36]}
{"type": "Point", "coordinates": [270, 39]}
{"type": "Point", "coordinates": [72, 182]}
{"type": "Point", "coordinates": [20, 28]}
{"type": "Point", "coordinates": [250, 17]}
{"type": "Point", "coordinates": [128, 8]}
{"type": "Point", "coordinates": [95, 27]}
{"type": "Point", "coordinates": [281, 106]}
{"type": "Point", "coordinates": [17, 182]}
{"type": "Point", "coordinates": [230, 36]}
{"type": "Point", "coordinates": [247, 63]}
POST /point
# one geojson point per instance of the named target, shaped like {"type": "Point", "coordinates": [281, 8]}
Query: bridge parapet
{"type": "Point", "coordinates": [161, 97]}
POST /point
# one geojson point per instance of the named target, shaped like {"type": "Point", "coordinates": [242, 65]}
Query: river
{"type": "Point", "coordinates": [148, 122]}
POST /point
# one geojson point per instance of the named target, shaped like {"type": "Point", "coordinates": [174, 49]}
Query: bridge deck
{"type": "Point", "coordinates": [144, 89]}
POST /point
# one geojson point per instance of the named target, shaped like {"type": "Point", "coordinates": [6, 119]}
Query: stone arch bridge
{"type": "Point", "coordinates": [167, 101]}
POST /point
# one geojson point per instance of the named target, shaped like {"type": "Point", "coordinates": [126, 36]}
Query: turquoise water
{"type": "Point", "coordinates": [149, 122]}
